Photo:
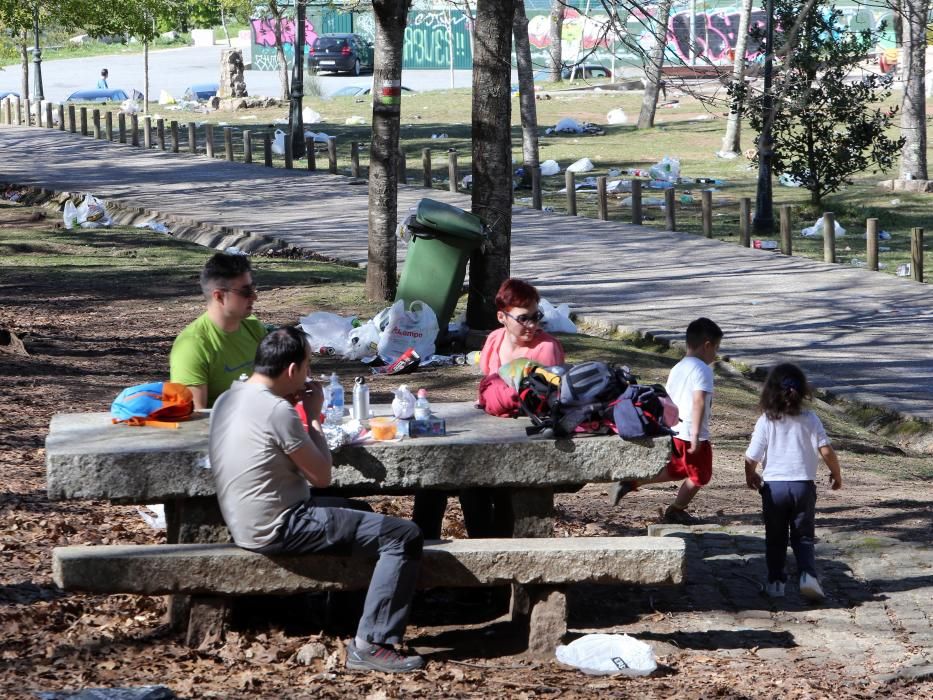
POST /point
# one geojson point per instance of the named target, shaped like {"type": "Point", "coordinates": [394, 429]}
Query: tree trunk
{"type": "Point", "coordinates": [526, 86]}
{"type": "Point", "coordinates": [277, 15]}
{"type": "Point", "coordinates": [913, 108]}
{"type": "Point", "coordinates": [731, 142]}
{"type": "Point", "coordinates": [146, 76]}
{"type": "Point", "coordinates": [492, 157]}
{"type": "Point", "coordinates": [223, 23]}
{"type": "Point", "coordinates": [295, 124]}
{"type": "Point", "coordinates": [555, 36]}
{"type": "Point", "coordinates": [649, 103]}
{"type": "Point", "coordinates": [390, 16]}
{"type": "Point", "coordinates": [24, 62]}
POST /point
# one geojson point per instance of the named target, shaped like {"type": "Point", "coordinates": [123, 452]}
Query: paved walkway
{"type": "Point", "coordinates": [862, 335]}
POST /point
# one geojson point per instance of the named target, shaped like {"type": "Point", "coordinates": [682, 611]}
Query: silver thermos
{"type": "Point", "coordinates": [360, 399]}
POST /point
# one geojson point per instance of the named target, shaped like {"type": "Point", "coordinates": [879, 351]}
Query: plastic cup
{"type": "Point", "coordinates": [382, 428]}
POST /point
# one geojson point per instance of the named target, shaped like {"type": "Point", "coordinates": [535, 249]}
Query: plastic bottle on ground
{"type": "Point", "coordinates": [335, 404]}
{"type": "Point", "coordinates": [422, 406]}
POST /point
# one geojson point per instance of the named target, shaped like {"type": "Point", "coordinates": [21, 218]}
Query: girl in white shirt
{"type": "Point", "coordinates": [788, 442]}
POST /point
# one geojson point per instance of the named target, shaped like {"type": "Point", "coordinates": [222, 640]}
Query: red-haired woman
{"type": "Point", "coordinates": [521, 334]}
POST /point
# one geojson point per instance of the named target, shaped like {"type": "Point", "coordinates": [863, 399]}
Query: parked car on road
{"type": "Point", "coordinates": [584, 72]}
{"type": "Point", "coordinates": [99, 95]}
{"type": "Point", "coordinates": [349, 53]}
{"type": "Point", "coordinates": [201, 92]}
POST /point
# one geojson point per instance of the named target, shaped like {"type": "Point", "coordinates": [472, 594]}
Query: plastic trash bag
{"type": "Point", "coordinates": [327, 330]}
{"type": "Point", "coordinates": [165, 98]}
{"type": "Point", "coordinates": [145, 692]}
{"type": "Point", "coordinates": [355, 120]}
{"type": "Point", "coordinates": [616, 116]}
{"type": "Point", "coordinates": [568, 126]}
{"type": "Point", "coordinates": [320, 137]}
{"type": "Point", "coordinates": [309, 116]}
{"type": "Point", "coordinates": [363, 342]}
{"type": "Point", "coordinates": [817, 229]}
{"type": "Point", "coordinates": [584, 165]}
{"type": "Point", "coordinates": [156, 226]}
{"type": "Point", "coordinates": [129, 107]}
{"type": "Point", "coordinates": [668, 169]}
{"type": "Point", "coordinates": [91, 213]}
{"type": "Point", "coordinates": [415, 327]}
{"type": "Point", "coordinates": [549, 167]}
{"type": "Point", "coordinates": [608, 654]}
{"type": "Point", "coordinates": [278, 143]}
{"type": "Point", "coordinates": [789, 180]}
{"type": "Point", "coordinates": [556, 318]}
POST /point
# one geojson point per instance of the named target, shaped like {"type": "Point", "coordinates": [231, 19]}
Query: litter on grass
{"type": "Point", "coordinates": [817, 229]}
{"type": "Point", "coordinates": [584, 165]}
{"type": "Point", "coordinates": [550, 167]}
{"type": "Point", "coordinates": [616, 116]}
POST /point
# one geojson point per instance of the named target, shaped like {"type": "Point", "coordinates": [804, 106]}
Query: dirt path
{"type": "Point", "coordinates": [89, 335]}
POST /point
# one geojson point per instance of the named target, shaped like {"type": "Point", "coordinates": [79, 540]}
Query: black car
{"type": "Point", "coordinates": [349, 53]}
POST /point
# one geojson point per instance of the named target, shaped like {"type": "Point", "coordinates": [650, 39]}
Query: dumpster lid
{"type": "Point", "coordinates": [448, 220]}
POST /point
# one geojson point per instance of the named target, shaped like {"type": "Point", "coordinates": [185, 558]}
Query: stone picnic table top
{"type": "Point", "coordinates": [88, 457]}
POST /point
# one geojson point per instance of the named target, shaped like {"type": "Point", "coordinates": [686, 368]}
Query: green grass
{"type": "Point", "coordinates": [9, 60]}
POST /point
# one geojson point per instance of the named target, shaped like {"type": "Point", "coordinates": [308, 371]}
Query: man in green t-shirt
{"type": "Point", "coordinates": [220, 345]}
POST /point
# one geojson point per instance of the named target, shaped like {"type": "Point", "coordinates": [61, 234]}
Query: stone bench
{"type": "Point", "coordinates": [543, 567]}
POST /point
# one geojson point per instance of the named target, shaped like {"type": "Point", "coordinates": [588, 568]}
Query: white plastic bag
{"type": "Point", "coordinates": [568, 126]}
{"type": "Point", "coordinates": [278, 144]}
{"type": "Point", "coordinates": [327, 330]}
{"type": "Point", "coordinates": [415, 328]}
{"type": "Point", "coordinates": [556, 318]}
{"type": "Point", "coordinates": [584, 165]}
{"type": "Point", "coordinates": [608, 654]}
{"type": "Point", "coordinates": [616, 116]}
{"type": "Point", "coordinates": [364, 342]}
{"type": "Point", "coordinates": [91, 213]}
{"type": "Point", "coordinates": [817, 229]}
{"type": "Point", "coordinates": [550, 167]}
{"type": "Point", "coordinates": [668, 169]}
{"type": "Point", "coordinates": [165, 98]}
{"type": "Point", "coordinates": [355, 120]}
{"type": "Point", "coordinates": [309, 116]}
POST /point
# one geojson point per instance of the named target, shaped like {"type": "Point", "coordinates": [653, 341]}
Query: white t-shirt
{"type": "Point", "coordinates": [251, 435]}
{"type": "Point", "coordinates": [687, 376]}
{"type": "Point", "coordinates": [789, 448]}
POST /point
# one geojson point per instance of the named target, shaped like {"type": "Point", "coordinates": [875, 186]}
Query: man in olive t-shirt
{"type": "Point", "coordinates": [220, 345]}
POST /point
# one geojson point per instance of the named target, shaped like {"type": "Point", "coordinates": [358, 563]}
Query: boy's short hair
{"type": "Point", "coordinates": [280, 348]}
{"type": "Point", "coordinates": [220, 269]}
{"type": "Point", "coordinates": [103, 72]}
{"type": "Point", "coordinates": [701, 330]}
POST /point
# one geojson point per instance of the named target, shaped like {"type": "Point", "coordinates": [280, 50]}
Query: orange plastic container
{"type": "Point", "coordinates": [383, 428]}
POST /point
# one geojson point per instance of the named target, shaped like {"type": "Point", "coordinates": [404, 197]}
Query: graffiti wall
{"type": "Point", "coordinates": [263, 30]}
{"type": "Point", "coordinates": [428, 36]}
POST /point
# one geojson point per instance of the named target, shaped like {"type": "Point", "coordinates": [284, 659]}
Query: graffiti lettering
{"type": "Point", "coordinates": [264, 32]}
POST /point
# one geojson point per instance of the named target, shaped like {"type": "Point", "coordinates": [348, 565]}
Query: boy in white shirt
{"type": "Point", "coordinates": [690, 386]}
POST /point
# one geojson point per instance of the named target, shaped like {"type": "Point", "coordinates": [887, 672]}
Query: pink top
{"type": "Point", "coordinates": [545, 349]}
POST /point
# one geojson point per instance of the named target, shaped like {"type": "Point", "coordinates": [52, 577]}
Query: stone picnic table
{"type": "Point", "coordinates": [87, 457]}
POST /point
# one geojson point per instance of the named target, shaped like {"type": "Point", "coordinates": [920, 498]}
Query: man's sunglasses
{"type": "Point", "coordinates": [247, 292]}
{"type": "Point", "coordinates": [527, 319]}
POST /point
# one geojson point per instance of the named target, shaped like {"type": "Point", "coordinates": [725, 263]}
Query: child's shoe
{"type": "Point", "coordinates": [774, 589]}
{"type": "Point", "coordinates": [677, 516]}
{"type": "Point", "coordinates": [619, 490]}
{"type": "Point", "coordinates": [810, 588]}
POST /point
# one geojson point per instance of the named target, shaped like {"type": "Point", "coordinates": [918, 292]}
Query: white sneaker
{"type": "Point", "coordinates": [774, 589]}
{"type": "Point", "coordinates": [810, 588]}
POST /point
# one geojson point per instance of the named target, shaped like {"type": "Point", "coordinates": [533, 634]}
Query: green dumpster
{"type": "Point", "coordinates": [443, 238]}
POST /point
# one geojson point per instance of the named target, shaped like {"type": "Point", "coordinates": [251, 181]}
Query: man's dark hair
{"type": "Point", "coordinates": [220, 269]}
{"type": "Point", "coordinates": [280, 348]}
{"type": "Point", "coordinates": [103, 72]}
{"type": "Point", "coordinates": [701, 330]}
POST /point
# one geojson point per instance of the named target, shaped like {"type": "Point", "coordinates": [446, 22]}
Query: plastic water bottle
{"type": "Point", "coordinates": [335, 402]}
{"type": "Point", "coordinates": [422, 406]}
{"type": "Point", "coordinates": [360, 399]}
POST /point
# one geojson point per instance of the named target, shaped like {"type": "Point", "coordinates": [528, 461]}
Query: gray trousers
{"type": "Point", "coordinates": [339, 526]}
{"type": "Point", "coordinates": [789, 507]}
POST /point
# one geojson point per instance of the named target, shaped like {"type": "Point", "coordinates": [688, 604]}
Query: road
{"type": "Point", "coordinates": [175, 69]}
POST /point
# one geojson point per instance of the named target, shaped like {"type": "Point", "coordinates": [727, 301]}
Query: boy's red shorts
{"type": "Point", "coordinates": [698, 467]}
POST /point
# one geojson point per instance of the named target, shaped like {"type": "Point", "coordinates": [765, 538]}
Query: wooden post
{"type": "Point", "coordinates": [670, 212]}
{"type": "Point", "coordinates": [192, 137]}
{"type": "Point", "coordinates": [916, 254]}
{"type": "Point", "coordinates": [570, 182]}
{"type": "Point", "coordinates": [108, 125]}
{"type": "Point", "coordinates": [160, 133]}
{"type": "Point", "coordinates": [173, 129]}
{"type": "Point", "coordinates": [61, 117]}
{"type": "Point", "coordinates": [147, 132]}
{"type": "Point", "coordinates": [209, 140]}
{"type": "Point", "coordinates": [247, 146]}
{"type": "Point", "coordinates": [267, 149]}
{"type": "Point", "coordinates": [8, 111]}
{"type": "Point", "coordinates": [786, 244]}
{"type": "Point", "coordinates": [288, 155]}
{"type": "Point", "coordinates": [706, 206]}
{"type": "Point", "coordinates": [28, 108]}
{"type": "Point", "coordinates": [49, 123]}
{"type": "Point", "coordinates": [134, 129]}
{"type": "Point", "coordinates": [402, 166]}
{"type": "Point", "coordinates": [228, 143]}
{"type": "Point", "coordinates": [84, 121]}
{"type": "Point", "coordinates": [536, 187]}
{"type": "Point", "coordinates": [309, 149]}
{"type": "Point", "coordinates": [871, 244]}
{"type": "Point", "coordinates": [95, 123]}
{"type": "Point", "coordinates": [452, 170]}
{"type": "Point", "coordinates": [636, 202]}
{"type": "Point", "coordinates": [601, 193]}
{"type": "Point", "coordinates": [426, 168]}
{"type": "Point", "coordinates": [354, 159]}
{"type": "Point", "coordinates": [121, 127]}
{"type": "Point", "coordinates": [72, 127]}
{"type": "Point", "coordinates": [745, 221]}
{"type": "Point", "coordinates": [829, 237]}
{"type": "Point", "coordinates": [332, 154]}
{"type": "Point", "coordinates": [19, 112]}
